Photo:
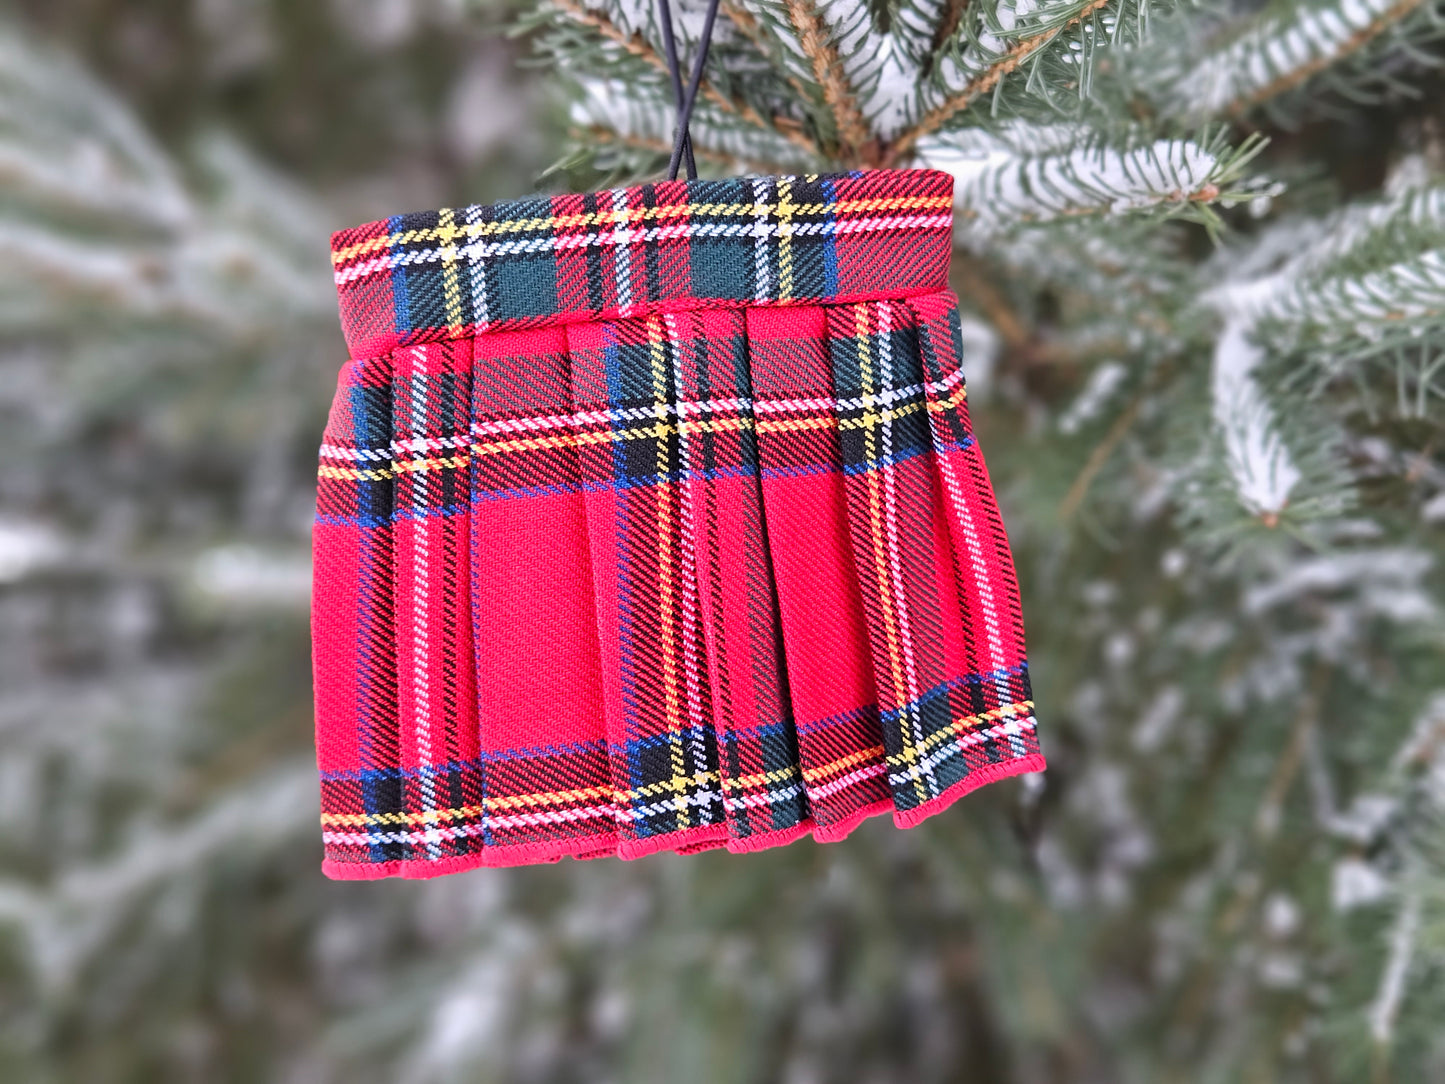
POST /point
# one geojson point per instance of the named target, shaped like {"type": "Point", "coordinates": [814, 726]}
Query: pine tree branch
{"type": "Point", "coordinates": [748, 25]}
{"type": "Point", "coordinates": [637, 46]}
{"type": "Point", "coordinates": [853, 129]}
{"type": "Point", "coordinates": [984, 83]}
{"type": "Point", "coordinates": [1290, 80]}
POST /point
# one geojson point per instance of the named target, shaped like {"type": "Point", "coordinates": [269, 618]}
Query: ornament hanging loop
{"type": "Point", "coordinates": [682, 141]}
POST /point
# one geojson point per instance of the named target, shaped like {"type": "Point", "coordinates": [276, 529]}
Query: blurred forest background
{"type": "Point", "coordinates": [1233, 871]}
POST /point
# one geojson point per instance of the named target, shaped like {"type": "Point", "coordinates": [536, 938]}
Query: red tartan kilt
{"type": "Point", "coordinates": [652, 519]}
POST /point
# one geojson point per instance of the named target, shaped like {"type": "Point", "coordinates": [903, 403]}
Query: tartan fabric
{"type": "Point", "coordinates": [652, 520]}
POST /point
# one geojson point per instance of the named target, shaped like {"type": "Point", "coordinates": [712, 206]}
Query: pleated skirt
{"type": "Point", "coordinates": [653, 520]}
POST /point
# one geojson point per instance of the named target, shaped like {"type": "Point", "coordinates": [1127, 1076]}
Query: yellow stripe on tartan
{"type": "Point", "coordinates": [607, 436]}
{"type": "Point", "coordinates": [400, 466]}
{"type": "Point", "coordinates": [829, 421]}
{"type": "Point", "coordinates": [887, 606]}
{"type": "Point", "coordinates": [785, 210]}
{"type": "Point", "coordinates": [562, 798]}
{"type": "Point", "coordinates": [788, 774]}
{"type": "Point", "coordinates": [476, 230]}
{"type": "Point", "coordinates": [447, 233]}
{"type": "Point", "coordinates": [353, 474]}
{"type": "Point", "coordinates": [656, 337]}
{"type": "Point", "coordinates": [714, 425]}
{"type": "Point", "coordinates": [950, 401]}
{"type": "Point", "coordinates": [959, 728]}
{"type": "Point", "coordinates": [842, 764]}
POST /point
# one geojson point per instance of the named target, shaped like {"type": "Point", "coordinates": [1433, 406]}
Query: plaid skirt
{"type": "Point", "coordinates": [651, 519]}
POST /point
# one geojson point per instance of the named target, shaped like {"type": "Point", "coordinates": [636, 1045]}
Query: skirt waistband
{"type": "Point", "coordinates": [669, 246]}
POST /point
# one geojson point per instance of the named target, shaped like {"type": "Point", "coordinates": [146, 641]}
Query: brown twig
{"type": "Point", "coordinates": [1097, 458]}
{"type": "Point", "coordinates": [853, 131]}
{"type": "Point", "coordinates": [984, 83]}
{"type": "Point", "coordinates": [1266, 819]}
{"type": "Point", "coordinates": [978, 288]}
{"type": "Point", "coordinates": [638, 46]}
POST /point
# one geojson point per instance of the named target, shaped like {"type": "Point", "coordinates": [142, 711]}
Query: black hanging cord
{"type": "Point", "coordinates": [669, 45]}
{"type": "Point", "coordinates": [681, 141]}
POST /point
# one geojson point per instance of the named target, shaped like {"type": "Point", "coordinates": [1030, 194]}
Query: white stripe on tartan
{"type": "Point", "coordinates": [761, 231]}
{"type": "Point", "coordinates": [762, 234]}
{"type": "Point", "coordinates": [1010, 729]}
{"type": "Point", "coordinates": [421, 645]}
{"type": "Point", "coordinates": [857, 775]}
{"type": "Point", "coordinates": [477, 272]}
{"type": "Point", "coordinates": [622, 236]}
{"type": "Point", "coordinates": [691, 604]}
{"type": "Point", "coordinates": [983, 589]}
{"type": "Point", "coordinates": [912, 709]}
{"type": "Point", "coordinates": [767, 797]}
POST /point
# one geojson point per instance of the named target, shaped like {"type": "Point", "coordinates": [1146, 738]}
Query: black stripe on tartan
{"type": "Point", "coordinates": [810, 246]}
{"type": "Point", "coordinates": [652, 251]}
{"type": "Point", "coordinates": [596, 290]}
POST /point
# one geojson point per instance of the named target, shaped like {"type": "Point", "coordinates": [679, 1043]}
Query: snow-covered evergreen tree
{"type": "Point", "coordinates": [1201, 249]}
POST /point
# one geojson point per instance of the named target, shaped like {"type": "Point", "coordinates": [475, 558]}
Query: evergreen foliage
{"type": "Point", "coordinates": [1202, 251]}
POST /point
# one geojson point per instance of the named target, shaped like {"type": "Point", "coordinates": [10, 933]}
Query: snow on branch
{"type": "Point", "coordinates": [1263, 471]}
{"type": "Point", "coordinates": [62, 136]}
{"type": "Point", "coordinates": [1280, 50]}
{"type": "Point", "coordinates": [1391, 991]}
{"type": "Point", "coordinates": [1040, 174]}
{"type": "Point", "coordinates": [1410, 291]}
{"type": "Point", "coordinates": [992, 45]}
{"type": "Point", "coordinates": [1346, 285]}
{"type": "Point", "coordinates": [1374, 277]}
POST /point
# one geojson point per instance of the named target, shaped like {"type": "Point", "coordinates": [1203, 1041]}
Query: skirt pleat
{"type": "Point", "coordinates": [656, 688]}
{"type": "Point", "coordinates": [830, 675]}
{"type": "Point", "coordinates": [544, 765]}
{"type": "Point", "coordinates": [431, 425]}
{"type": "Point", "coordinates": [705, 578]}
{"type": "Point", "coordinates": [751, 726]}
{"type": "Point", "coordinates": [893, 520]}
{"type": "Point", "coordinates": [998, 702]}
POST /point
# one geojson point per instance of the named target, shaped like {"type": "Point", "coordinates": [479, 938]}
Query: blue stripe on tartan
{"type": "Point", "coordinates": [480, 761]}
{"type": "Point", "coordinates": [400, 303]}
{"type": "Point", "coordinates": [830, 245]}
{"type": "Point", "coordinates": [759, 730]}
{"type": "Point", "coordinates": [870, 711]}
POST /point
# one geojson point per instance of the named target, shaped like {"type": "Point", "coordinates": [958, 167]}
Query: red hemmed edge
{"type": "Point", "coordinates": [685, 842]}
